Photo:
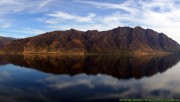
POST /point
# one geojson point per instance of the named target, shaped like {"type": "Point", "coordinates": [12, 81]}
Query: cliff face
{"type": "Point", "coordinates": [130, 39]}
{"type": "Point", "coordinates": [121, 39]}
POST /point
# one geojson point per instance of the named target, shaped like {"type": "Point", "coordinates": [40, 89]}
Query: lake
{"type": "Point", "coordinates": [30, 78]}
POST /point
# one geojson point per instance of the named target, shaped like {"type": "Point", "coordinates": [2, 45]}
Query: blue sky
{"type": "Point", "coordinates": [24, 18]}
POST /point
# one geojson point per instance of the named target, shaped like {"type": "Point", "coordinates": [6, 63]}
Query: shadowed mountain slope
{"type": "Point", "coordinates": [5, 40]}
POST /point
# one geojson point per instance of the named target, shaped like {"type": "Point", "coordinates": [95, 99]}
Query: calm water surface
{"type": "Point", "coordinates": [89, 78]}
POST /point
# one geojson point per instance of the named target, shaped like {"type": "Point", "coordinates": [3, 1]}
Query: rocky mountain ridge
{"type": "Point", "coordinates": [117, 40]}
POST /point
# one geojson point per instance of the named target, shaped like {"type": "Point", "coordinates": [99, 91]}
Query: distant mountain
{"type": "Point", "coordinates": [5, 40]}
{"type": "Point", "coordinates": [118, 40]}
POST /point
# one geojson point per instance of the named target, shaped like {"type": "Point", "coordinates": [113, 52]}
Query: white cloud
{"type": "Point", "coordinates": [14, 6]}
{"type": "Point", "coordinates": [67, 16]}
{"type": "Point", "coordinates": [10, 7]}
{"type": "Point", "coordinates": [44, 3]}
{"type": "Point", "coordinates": [123, 6]}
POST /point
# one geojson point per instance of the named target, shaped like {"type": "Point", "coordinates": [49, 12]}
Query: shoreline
{"type": "Point", "coordinates": [156, 53]}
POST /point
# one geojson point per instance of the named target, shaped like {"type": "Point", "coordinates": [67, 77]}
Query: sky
{"type": "Point", "coordinates": [25, 18]}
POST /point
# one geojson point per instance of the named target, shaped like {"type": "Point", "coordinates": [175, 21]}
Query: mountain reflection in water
{"type": "Point", "coordinates": [121, 67]}
{"type": "Point", "coordinates": [87, 78]}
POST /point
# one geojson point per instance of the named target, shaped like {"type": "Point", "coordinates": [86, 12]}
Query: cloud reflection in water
{"type": "Point", "coordinates": [88, 78]}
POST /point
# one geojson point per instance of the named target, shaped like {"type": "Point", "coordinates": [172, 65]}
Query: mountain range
{"type": "Point", "coordinates": [115, 41]}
